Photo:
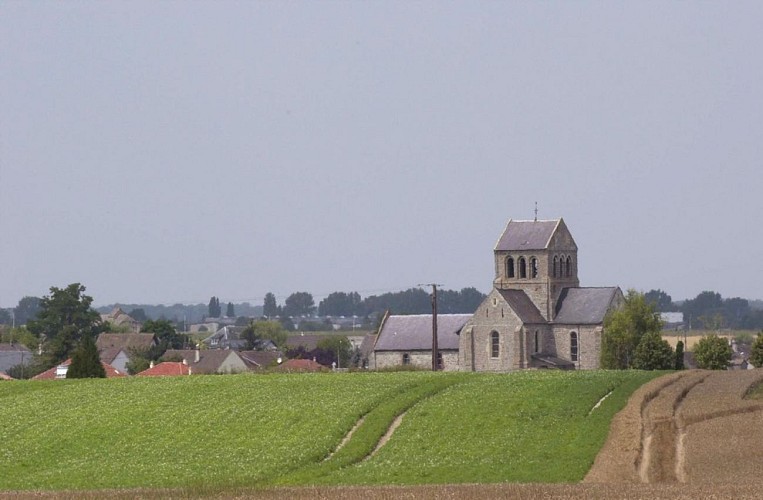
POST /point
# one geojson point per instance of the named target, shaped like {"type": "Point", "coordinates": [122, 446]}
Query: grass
{"type": "Point", "coordinates": [755, 392]}
{"type": "Point", "coordinates": [523, 427]}
{"type": "Point", "coordinates": [258, 430]}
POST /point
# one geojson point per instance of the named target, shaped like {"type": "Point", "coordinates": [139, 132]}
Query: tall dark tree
{"type": "Point", "coordinates": [85, 360]}
{"type": "Point", "coordinates": [299, 304]}
{"type": "Point", "coordinates": [64, 318]}
{"type": "Point", "coordinates": [661, 301]}
{"type": "Point", "coordinates": [214, 307]}
{"type": "Point", "coordinates": [139, 315]}
{"type": "Point", "coordinates": [269, 306]}
{"type": "Point", "coordinates": [229, 311]}
{"type": "Point", "coordinates": [5, 317]}
{"type": "Point", "coordinates": [707, 305]}
{"type": "Point", "coordinates": [27, 309]}
{"type": "Point", "coordinates": [679, 364]}
{"type": "Point", "coordinates": [340, 304]}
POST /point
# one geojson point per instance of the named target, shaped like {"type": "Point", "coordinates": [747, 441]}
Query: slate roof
{"type": "Point", "coordinates": [526, 235]}
{"type": "Point", "coordinates": [309, 341]}
{"type": "Point", "coordinates": [210, 360]}
{"type": "Point", "coordinates": [167, 369]}
{"type": "Point", "coordinates": [12, 355]}
{"type": "Point", "coordinates": [414, 332]}
{"type": "Point", "coordinates": [50, 374]}
{"type": "Point", "coordinates": [522, 305]}
{"type": "Point", "coordinates": [367, 345]}
{"type": "Point", "coordinates": [109, 344]}
{"type": "Point", "coordinates": [259, 360]}
{"type": "Point", "coordinates": [583, 306]}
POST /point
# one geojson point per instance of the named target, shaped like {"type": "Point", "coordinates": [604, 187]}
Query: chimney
{"type": "Point", "coordinates": [185, 361]}
{"type": "Point", "coordinates": [196, 356]}
{"type": "Point", "coordinates": [151, 364]}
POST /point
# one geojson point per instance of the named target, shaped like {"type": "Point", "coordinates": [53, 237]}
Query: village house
{"type": "Point", "coordinates": [59, 371]}
{"type": "Point", "coordinates": [120, 319]}
{"type": "Point", "coordinates": [116, 349]}
{"type": "Point", "coordinates": [537, 315]}
{"type": "Point", "coordinates": [406, 340]}
{"type": "Point", "coordinates": [208, 361]}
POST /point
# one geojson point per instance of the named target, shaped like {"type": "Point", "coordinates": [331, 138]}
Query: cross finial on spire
{"type": "Point", "coordinates": [536, 211]}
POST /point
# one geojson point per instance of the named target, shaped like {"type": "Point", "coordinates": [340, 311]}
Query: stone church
{"type": "Point", "coordinates": [537, 314]}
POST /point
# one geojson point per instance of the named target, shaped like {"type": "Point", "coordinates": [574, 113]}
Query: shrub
{"type": "Point", "coordinates": [756, 355]}
{"type": "Point", "coordinates": [713, 353]}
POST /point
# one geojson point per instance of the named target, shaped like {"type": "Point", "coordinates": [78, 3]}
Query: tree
{"type": "Point", "coordinates": [5, 317]}
{"type": "Point", "coordinates": [756, 354]}
{"type": "Point", "coordinates": [270, 307]}
{"type": "Point", "coordinates": [259, 331]}
{"type": "Point", "coordinates": [713, 353]}
{"type": "Point", "coordinates": [624, 328]}
{"type": "Point", "coordinates": [661, 301]}
{"type": "Point", "coordinates": [340, 349]}
{"type": "Point", "coordinates": [653, 353]}
{"type": "Point", "coordinates": [706, 304]}
{"type": "Point", "coordinates": [340, 304]}
{"type": "Point", "coordinates": [139, 315]}
{"type": "Point", "coordinates": [166, 334]}
{"type": "Point", "coordinates": [299, 304]}
{"type": "Point", "coordinates": [85, 360]}
{"type": "Point", "coordinates": [27, 309]}
{"type": "Point", "coordinates": [679, 365]}
{"type": "Point", "coordinates": [229, 312]}
{"type": "Point", "coordinates": [64, 318]}
{"type": "Point", "coordinates": [214, 307]}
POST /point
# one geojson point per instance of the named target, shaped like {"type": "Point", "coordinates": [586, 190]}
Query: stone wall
{"type": "Point", "coordinates": [589, 344]}
{"type": "Point", "coordinates": [420, 359]}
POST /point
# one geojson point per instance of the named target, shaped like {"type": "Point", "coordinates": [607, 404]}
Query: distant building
{"type": "Point", "coordinates": [121, 319]}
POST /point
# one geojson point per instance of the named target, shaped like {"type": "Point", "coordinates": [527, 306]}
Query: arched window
{"type": "Point", "coordinates": [510, 267]}
{"type": "Point", "coordinates": [495, 345]}
{"type": "Point", "coordinates": [406, 358]}
{"type": "Point", "coordinates": [533, 267]}
{"type": "Point", "coordinates": [522, 268]}
{"type": "Point", "coordinates": [573, 346]}
{"type": "Point", "coordinates": [556, 263]}
{"type": "Point", "coordinates": [537, 341]}
{"type": "Point", "coordinates": [569, 267]}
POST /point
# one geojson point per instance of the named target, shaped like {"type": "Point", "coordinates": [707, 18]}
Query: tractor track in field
{"type": "Point", "coordinates": [681, 420]}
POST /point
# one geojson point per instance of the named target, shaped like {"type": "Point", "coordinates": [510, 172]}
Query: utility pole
{"type": "Point", "coordinates": [435, 350]}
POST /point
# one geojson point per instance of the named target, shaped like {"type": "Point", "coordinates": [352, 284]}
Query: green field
{"type": "Point", "coordinates": [263, 430]}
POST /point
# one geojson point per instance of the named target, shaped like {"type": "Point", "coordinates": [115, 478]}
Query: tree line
{"type": "Point", "coordinates": [710, 311]}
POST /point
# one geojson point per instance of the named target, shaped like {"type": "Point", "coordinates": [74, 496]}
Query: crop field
{"type": "Point", "coordinates": [247, 430]}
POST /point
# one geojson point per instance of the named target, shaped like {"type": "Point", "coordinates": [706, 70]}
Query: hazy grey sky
{"type": "Point", "coordinates": [163, 152]}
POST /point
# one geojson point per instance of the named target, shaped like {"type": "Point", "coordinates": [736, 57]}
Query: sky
{"type": "Point", "coordinates": [165, 152]}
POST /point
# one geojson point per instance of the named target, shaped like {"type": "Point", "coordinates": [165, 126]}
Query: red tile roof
{"type": "Point", "coordinates": [167, 369]}
{"type": "Point", "coordinates": [3, 376]}
{"type": "Point", "coordinates": [111, 372]}
{"type": "Point", "coordinates": [301, 365]}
